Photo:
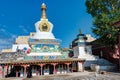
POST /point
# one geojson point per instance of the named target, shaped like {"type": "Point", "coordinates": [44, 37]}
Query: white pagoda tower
{"type": "Point", "coordinates": [43, 27]}
{"type": "Point", "coordinates": [43, 43]}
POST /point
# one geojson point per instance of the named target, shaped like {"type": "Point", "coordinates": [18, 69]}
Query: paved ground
{"type": "Point", "coordinates": [74, 76]}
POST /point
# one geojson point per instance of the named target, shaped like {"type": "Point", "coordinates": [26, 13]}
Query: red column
{"type": "Point", "coordinates": [3, 72]}
{"type": "Point", "coordinates": [25, 66]}
{"type": "Point", "coordinates": [41, 69]}
{"type": "Point", "coordinates": [16, 73]}
{"type": "Point", "coordinates": [7, 69]}
{"type": "Point", "coordinates": [54, 65]}
{"type": "Point", "coordinates": [72, 67]}
{"type": "Point", "coordinates": [36, 73]}
{"type": "Point", "coordinates": [25, 71]}
{"type": "Point", "coordinates": [68, 67]}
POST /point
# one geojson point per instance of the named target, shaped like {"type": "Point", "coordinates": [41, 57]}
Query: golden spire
{"type": "Point", "coordinates": [43, 8]}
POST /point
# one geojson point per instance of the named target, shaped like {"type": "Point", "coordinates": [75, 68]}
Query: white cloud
{"type": "Point", "coordinates": [14, 36]}
{"type": "Point", "coordinates": [23, 29]}
{"type": "Point", "coordinates": [6, 33]}
{"type": "Point", "coordinates": [5, 43]}
{"type": "Point", "coordinates": [3, 30]}
{"type": "Point", "coordinates": [6, 38]}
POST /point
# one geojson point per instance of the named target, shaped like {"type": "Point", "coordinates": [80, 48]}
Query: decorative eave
{"type": "Point", "coordinates": [44, 41]}
{"type": "Point", "coordinates": [65, 49]}
{"type": "Point", "coordinates": [35, 62]}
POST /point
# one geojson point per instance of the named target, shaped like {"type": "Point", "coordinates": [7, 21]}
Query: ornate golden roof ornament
{"type": "Point", "coordinates": [44, 25]}
{"type": "Point", "coordinates": [43, 8]}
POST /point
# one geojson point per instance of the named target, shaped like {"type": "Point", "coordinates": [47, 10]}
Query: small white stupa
{"type": "Point", "coordinates": [83, 50]}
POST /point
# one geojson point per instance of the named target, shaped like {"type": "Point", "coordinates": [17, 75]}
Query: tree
{"type": "Point", "coordinates": [104, 13]}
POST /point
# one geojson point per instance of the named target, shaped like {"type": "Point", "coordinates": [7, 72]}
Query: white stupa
{"type": "Point", "coordinates": [43, 43]}
{"type": "Point", "coordinates": [43, 27]}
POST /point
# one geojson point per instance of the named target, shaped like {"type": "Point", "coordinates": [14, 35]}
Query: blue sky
{"type": "Point", "coordinates": [17, 17]}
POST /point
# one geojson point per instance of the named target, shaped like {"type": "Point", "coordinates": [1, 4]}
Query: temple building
{"type": "Point", "coordinates": [39, 53]}
{"type": "Point", "coordinates": [82, 48]}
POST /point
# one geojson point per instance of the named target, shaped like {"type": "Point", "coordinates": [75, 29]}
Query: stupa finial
{"type": "Point", "coordinates": [80, 31]}
{"type": "Point", "coordinates": [43, 8]}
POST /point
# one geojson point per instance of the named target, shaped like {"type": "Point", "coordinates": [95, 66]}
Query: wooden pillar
{"type": "Point", "coordinates": [72, 67]}
{"type": "Point", "coordinates": [36, 73]}
{"type": "Point", "coordinates": [68, 67]}
{"type": "Point", "coordinates": [7, 69]}
{"type": "Point", "coordinates": [25, 71]}
{"type": "Point", "coordinates": [16, 73]}
{"type": "Point", "coordinates": [25, 66]}
{"type": "Point", "coordinates": [3, 71]}
{"type": "Point", "coordinates": [41, 68]}
{"type": "Point", "coordinates": [62, 68]}
{"type": "Point", "coordinates": [54, 65]}
{"type": "Point", "coordinates": [11, 66]}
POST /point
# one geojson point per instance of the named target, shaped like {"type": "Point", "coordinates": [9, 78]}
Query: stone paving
{"type": "Point", "coordinates": [74, 76]}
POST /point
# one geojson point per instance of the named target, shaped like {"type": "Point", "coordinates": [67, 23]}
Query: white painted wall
{"type": "Point", "coordinates": [85, 52]}
{"type": "Point", "coordinates": [19, 46]}
{"type": "Point", "coordinates": [76, 52]}
{"type": "Point", "coordinates": [43, 35]}
{"type": "Point", "coordinates": [81, 51]}
{"type": "Point", "coordinates": [80, 67]}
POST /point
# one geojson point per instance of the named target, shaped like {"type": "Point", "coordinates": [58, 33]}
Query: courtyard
{"type": "Point", "coordinates": [74, 76]}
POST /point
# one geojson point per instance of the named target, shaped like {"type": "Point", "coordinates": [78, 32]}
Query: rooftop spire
{"type": "Point", "coordinates": [43, 8]}
{"type": "Point", "coordinates": [80, 31]}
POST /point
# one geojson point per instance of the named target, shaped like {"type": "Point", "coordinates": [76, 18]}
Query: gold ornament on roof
{"type": "Point", "coordinates": [43, 8]}
{"type": "Point", "coordinates": [44, 26]}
